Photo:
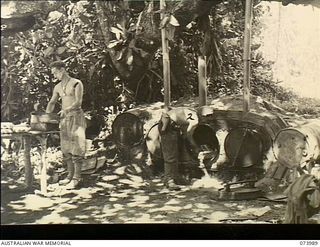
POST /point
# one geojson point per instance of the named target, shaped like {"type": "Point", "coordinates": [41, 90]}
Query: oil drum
{"type": "Point", "coordinates": [205, 139]}
{"type": "Point", "coordinates": [153, 142]}
{"type": "Point", "coordinates": [127, 130]}
{"type": "Point", "coordinates": [295, 146]}
{"type": "Point", "coordinates": [244, 147]}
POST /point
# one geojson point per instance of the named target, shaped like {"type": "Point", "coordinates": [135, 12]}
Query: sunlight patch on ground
{"type": "Point", "coordinates": [118, 206]}
{"type": "Point", "coordinates": [82, 217]}
{"type": "Point", "coordinates": [110, 177]}
{"type": "Point", "coordinates": [120, 170]}
{"type": "Point", "coordinates": [135, 179]}
{"type": "Point", "coordinates": [207, 182]}
{"type": "Point", "coordinates": [21, 212]}
{"type": "Point", "coordinates": [84, 193]}
{"type": "Point", "coordinates": [173, 201]}
{"type": "Point", "coordinates": [34, 202]}
{"type": "Point", "coordinates": [230, 205]}
{"type": "Point", "coordinates": [181, 196]}
{"type": "Point", "coordinates": [106, 185]}
{"type": "Point", "coordinates": [217, 216]}
{"type": "Point", "coordinates": [202, 206]}
{"type": "Point", "coordinates": [113, 199]}
{"type": "Point", "coordinates": [188, 206]}
{"type": "Point", "coordinates": [130, 183]}
{"type": "Point", "coordinates": [120, 195]}
{"type": "Point", "coordinates": [16, 205]}
{"type": "Point", "coordinates": [140, 198]}
{"type": "Point", "coordinates": [149, 205]}
{"type": "Point", "coordinates": [198, 219]}
{"type": "Point", "coordinates": [165, 209]}
{"type": "Point", "coordinates": [254, 211]}
{"type": "Point", "coordinates": [65, 207]}
{"type": "Point", "coordinates": [53, 218]}
{"type": "Point", "coordinates": [134, 204]}
{"type": "Point", "coordinates": [198, 210]}
{"type": "Point", "coordinates": [111, 212]}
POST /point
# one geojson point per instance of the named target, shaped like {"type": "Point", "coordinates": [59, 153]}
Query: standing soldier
{"type": "Point", "coordinates": [72, 125]}
{"type": "Point", "coordinates": [175, 126]}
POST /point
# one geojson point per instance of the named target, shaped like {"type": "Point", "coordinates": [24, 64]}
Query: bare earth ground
{"type": "Point", "coordinates": [113, 196]}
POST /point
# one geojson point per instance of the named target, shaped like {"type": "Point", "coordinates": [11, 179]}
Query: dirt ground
{"type": "Point", "coordinates": [111, 195]}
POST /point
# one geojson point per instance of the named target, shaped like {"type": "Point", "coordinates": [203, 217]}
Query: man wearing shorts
{"type": "Point", "coordinates": [72, 123]}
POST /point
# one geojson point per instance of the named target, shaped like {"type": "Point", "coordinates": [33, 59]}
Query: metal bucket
{"type": "Point", "coordinates": [44, 121]}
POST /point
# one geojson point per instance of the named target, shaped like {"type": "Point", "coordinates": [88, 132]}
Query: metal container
{"type": "Point", "coordinates": [244, 147]}
{"type": "Point", "coordinates": [205, 138]}
{"type": "Point", "coordinates": [297, 146]}
{"type": "Point", "coordinates": [127, 130]}
{"type": "Point", "coordinates": [44, 121]}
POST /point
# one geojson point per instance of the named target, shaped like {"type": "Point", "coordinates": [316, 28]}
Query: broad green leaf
{"type": "Point", "coordinates": [61, 50]}
{"type": "Point", "coordinates": [35, 37]}
{"type": "Point", "coordinates": [173, 21]}
{"type": "Point", "coordinates": [119, 26]}
{"type": "Point", "coordinates": [117, 32]}
{"type": "Point", "coordinates": [47, 52]}
{"type": "Point", "coordinates": [120, 55]}
{"type": "Point", "coordinates": [118, 36]}
{"type": "Point", "coordinates": [114, 43]}
{"type": "Point", "coordinates": [130, 60]}
{"type": "Point", "coordinates": [49, 35]}
{"type": "Point", "coordinates": [54, 16]}
{"type": "Point", "coordinates": [91, 71]}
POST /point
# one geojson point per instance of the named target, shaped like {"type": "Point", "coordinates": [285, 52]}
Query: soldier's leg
{"type": "Point", "coordinates": [67, 159]}
{"type": "Point", "coordinates": [169, 143]}
{"type": "Point", "coordinates": [77, 162]}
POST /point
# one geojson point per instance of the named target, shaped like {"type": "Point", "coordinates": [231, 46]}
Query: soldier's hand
{"type": "Point", "coordinates": [62, 113]}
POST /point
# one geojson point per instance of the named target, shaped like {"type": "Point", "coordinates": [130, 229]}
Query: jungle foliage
{"type": "Point", "coordinates": [114, 48]}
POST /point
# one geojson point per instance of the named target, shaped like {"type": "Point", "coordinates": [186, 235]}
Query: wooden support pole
{"type": "Point", "coordinates": [165, 57]}
{"type": "Point", "coordinates": [202, 75]}
{"type": "Point", "coordinates": [27, 161]}
{"type": "Point", "coordinates": [43, 178]}
{"type": "Point", "coordinates": [246, 56]}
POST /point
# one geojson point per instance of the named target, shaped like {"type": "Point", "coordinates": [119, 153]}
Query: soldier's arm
{"type": "Point", "coordinates": [165, 119]}
{"type": "Point", "coordinates": [53, 100]}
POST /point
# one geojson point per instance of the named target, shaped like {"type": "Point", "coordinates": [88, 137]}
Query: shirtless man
{"type": "Point", "coordinates": [72, 124]}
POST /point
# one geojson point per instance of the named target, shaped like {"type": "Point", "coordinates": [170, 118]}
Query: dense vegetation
{"type": "Point", "coordinates": [114, 48]}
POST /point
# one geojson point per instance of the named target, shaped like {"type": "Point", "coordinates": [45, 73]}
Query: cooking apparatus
{"type": "Point", "coordinates": [245, 192]}
{"type": "Point", "coordinates": [44, 121]}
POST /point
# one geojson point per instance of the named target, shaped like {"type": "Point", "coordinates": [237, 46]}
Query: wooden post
{"type": "Point", "coordinates": [246, 56]}
{"type": "Point", "coordinates": [202, 75]}
{"type": "Point", "coordinates": [165, 57]}
{"type": "Point", "coordinates": [43, 177]}
{"type": "Point", "coordinates": [27, 161]}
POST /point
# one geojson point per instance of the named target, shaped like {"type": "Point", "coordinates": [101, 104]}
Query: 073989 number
{"type": "Point", "coordinates": [314, 243]}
